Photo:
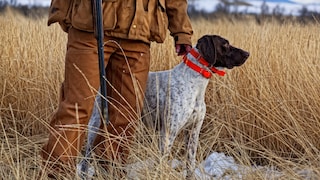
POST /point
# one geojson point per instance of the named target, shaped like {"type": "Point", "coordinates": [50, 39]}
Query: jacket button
{"type": "Point", "coordinates": [134, 26]}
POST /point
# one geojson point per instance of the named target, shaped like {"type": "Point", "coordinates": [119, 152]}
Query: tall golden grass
{"type": "Point", "coordinates": [266, 112]}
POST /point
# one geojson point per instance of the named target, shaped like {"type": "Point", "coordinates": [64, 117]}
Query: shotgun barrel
{"type": "Point", "coordinates": [99, 35]}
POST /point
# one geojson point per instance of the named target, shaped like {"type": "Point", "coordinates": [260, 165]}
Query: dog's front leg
{"type": "Point", "coordinates": [192, 148]}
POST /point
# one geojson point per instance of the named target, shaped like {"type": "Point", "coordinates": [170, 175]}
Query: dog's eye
{"type": "Point", "coordinates": [226, 47]}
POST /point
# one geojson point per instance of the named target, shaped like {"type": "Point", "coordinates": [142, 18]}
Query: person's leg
{"type": "Point", "coordinates": [68, 124]}
{"type": "Point", "coordinates": [128, 82]}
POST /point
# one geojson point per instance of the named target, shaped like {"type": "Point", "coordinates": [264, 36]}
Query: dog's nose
{"type": "Point", "coordinates": [246, 54]}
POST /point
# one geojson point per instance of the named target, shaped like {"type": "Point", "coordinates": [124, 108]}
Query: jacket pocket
{"type": "Point", "coordinates": [109, 14]}
{"type": "Point", "coordinates": [159, 22]}
{"type": "Point", "coordinates": [82, 15]}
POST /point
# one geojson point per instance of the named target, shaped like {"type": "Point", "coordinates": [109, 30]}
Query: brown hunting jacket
{"type": "Point", "coordinates": [146, 20]}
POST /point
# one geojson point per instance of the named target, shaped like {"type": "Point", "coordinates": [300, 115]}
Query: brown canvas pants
{"type": "Point", "coordinates": [128, 81]}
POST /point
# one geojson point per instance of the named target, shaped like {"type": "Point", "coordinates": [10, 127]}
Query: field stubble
{"type": "Point", "coordinates": [266, 112]}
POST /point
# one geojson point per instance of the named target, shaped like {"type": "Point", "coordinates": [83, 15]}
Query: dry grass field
{"type": "Point", "coordinates": [265, 113]}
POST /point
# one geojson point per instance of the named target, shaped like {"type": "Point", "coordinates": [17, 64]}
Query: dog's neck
{"type": "Point", "coordinates": [196, 62]}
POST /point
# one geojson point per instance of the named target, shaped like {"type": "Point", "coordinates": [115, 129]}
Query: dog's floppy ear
{"type": "Point", "coordinates": [207, 49]}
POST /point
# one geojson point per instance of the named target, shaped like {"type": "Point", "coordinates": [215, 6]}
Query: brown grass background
{"type": "Point", "coordinates": [266, 112]}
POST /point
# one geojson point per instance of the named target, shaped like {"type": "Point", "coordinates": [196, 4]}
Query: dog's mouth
{"type": "Point", "coordinates": [230, 67]}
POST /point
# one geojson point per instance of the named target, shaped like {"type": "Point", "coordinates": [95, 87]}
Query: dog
{"type": "Point", "coordinates": [176, 97]}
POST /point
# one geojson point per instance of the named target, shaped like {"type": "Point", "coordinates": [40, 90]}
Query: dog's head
{"type": "Point", "coordinates": [219, 53]}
